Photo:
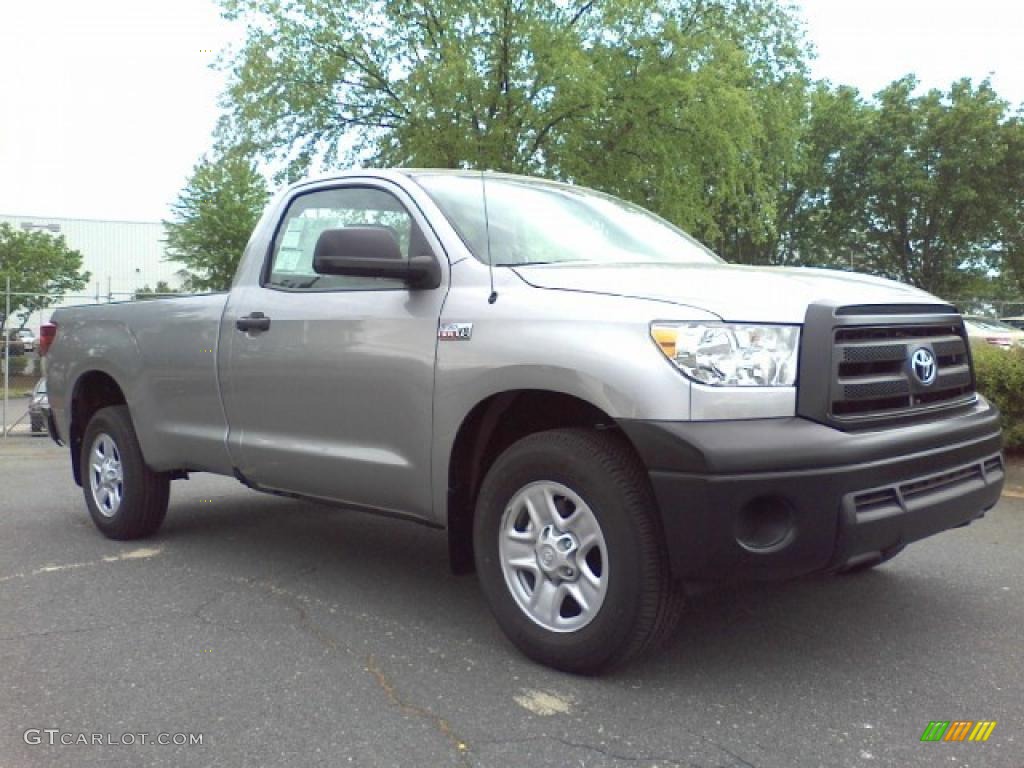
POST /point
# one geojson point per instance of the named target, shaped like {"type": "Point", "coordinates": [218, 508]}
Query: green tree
{"type": "Point", "coordinates": [823, 197]}
{"type": "Point", "coordinates": [684, 106]}
{"type": "Point", "coordinates": [909, 186]}
{"type": "Point", "coordinates": [40, 265]}
{"type": "Point", "coordinates": [698, 121]}
{"type": "Point", "coordinates": [213, 217]}
{"type": "Point", "coordinates": [933, 188]}
{"type": "Point", "coordinates": [162, 289]}
{"type": "Point", "coordinates": [1009, 255]}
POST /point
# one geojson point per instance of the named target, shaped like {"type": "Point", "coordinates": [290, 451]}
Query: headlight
{"type": "Point", "coordinates": [732, 355]}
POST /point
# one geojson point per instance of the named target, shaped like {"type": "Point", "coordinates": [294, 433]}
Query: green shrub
{"type": "Point", "coordinates": [1001, 379]}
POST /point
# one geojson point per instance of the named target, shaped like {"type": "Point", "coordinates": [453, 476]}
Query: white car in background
{"type": "Point", "coordinates": [27, 338]}
{"type": "Point", "coordinates": [39, 407]}
{"type": "Point", "coordinates": [994, 332]}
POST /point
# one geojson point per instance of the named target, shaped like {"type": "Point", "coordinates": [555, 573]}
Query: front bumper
{"type": "Point", "coordinates": [778, 498]}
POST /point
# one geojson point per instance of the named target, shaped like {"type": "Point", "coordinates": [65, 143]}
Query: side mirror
{"type": "Point", "coordinates": [372, 252]}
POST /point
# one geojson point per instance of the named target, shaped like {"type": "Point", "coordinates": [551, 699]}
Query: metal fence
{"type": "Point", "coordinates": [22, 369]}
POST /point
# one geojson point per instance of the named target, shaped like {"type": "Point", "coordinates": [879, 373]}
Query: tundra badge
{"type": "Point", "coordinates": [455, 331]}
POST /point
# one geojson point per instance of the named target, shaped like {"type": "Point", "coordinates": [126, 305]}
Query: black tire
{"type": "Point", "coordinates": [867, 565]}
{"type": "Point", "coordinates": [37, 425]}
{"type": "Point", "coordinates": [642, 604]}
{"type": "Point", "coordinates": [144, 493]}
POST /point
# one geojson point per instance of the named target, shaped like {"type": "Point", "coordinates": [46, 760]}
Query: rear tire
{"type": "Point", "coordinates": [569, 514]}
{"type": "Point", "coordinates": [126, 499]}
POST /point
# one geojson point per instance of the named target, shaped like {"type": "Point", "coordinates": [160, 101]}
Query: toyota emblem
{"type": "Point", "coordinates": [922, 362]}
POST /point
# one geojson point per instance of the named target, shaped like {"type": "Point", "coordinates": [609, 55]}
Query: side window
{"type": "Point", "coordinates": [291, 266]}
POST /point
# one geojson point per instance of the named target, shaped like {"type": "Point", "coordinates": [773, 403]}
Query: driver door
{"type": "Point", "coordinates": [330, 394]}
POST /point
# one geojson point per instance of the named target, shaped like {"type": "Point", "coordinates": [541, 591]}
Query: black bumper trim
{"type": "Point", "coordinates": [774, 445]}
{"type": "Point", "coordinates": [705, 474]}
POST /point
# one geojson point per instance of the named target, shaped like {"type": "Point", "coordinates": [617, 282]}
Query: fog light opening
{"type": "Point", "coordinates": [765, 524]}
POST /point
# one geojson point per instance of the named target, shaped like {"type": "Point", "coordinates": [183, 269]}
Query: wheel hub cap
{"type": "Point", "coordinates": [553, 556]}
{"type": "Point", "coordinates": [556, 553]}
{"type": "Point", "coordinates": [106, 477]}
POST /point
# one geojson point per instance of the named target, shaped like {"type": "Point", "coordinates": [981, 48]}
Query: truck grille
{"type": "Point", "coordinates": [874, 373]}
{"type": "Point", "coordinates": [872, 376]}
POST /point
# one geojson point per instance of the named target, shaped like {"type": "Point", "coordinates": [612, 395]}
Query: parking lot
{"type": "Point", "coordinates": [287, 633]}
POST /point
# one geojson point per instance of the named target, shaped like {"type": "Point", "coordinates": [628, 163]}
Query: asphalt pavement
{"type": "Point", "coordinates": [286, 633]}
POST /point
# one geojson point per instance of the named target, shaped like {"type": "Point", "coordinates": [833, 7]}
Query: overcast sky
{"type": "Point", "coordinates": [107, 104]}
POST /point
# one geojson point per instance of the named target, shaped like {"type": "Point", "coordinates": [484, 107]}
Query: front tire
{"type": "Point", "coordinates": [570, 553]}
{"type": "Point", "coordinates": [126, 499]}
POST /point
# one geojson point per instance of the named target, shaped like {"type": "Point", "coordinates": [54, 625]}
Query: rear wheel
{"type": "Point", "coordinates": [126, 499]}
{"type": "Point", "coordinates": [570, 553]}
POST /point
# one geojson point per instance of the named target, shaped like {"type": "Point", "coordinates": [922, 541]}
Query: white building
{"type": "Point", "coordinates": [121, 256]}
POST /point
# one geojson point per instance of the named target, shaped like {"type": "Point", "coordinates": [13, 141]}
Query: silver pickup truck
{"type": "Point", "coordinates": [596, 407]}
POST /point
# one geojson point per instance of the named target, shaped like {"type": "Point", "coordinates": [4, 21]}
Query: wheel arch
{"type": "Point", "coordinates": [490, 427]}
{"type": "Point", "coordinates": [93, 390]}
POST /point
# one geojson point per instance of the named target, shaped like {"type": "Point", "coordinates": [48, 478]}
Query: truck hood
{"type": "Point", "coordinates": [734, 293]}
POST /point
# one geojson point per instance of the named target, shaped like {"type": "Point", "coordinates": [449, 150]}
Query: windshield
{"type": "Point", "coordinates": [533, 222]}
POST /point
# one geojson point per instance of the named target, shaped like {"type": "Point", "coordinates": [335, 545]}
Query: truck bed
{"type": "Point", "coordinates": [164, 354]}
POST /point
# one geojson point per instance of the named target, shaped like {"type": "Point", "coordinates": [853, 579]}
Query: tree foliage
{"type": "Point", "coordinates": [1010, 250]}
{"type": "Point", "coordinates": [908, 186]}
{"type": "Point", "coordinates": [213, 217]}
{"type": "Point", "coordinates": [700, 110]}
{"type": "Point", "coordinates": [685, 106]}
{"type": "Point", "coordinates": [40, 265]}
{"type": "Point", "coordinates": [162, 289]}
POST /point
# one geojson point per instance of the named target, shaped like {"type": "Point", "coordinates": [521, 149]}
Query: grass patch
{"type": "Point", "coordinates": [1000, 375]}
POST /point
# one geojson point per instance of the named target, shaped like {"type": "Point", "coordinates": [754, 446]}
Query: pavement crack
{"type": "Point", "coordinates": [441, 725]}
{"type": "Point", "coordinates": [744, 763]}
{"type": "Point", "coordinates": [198, 612]}
{"type": "Point", "coordinates": [330, 643]}
{"type": "Point", "coordinates": [298, 603]}
{"type": "Point", "coordinates": [200, 615]}
{"type": "Point", "coordinates": [661, 760]}
{"type": "Point", "coordinates": [622, 757]}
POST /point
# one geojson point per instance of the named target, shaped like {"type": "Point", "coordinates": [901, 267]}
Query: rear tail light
{"type": "Point", "coordinates": [47, 334]}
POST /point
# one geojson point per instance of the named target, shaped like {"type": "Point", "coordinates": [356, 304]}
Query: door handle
{"type": "Point", "coordinates": [255, 321]}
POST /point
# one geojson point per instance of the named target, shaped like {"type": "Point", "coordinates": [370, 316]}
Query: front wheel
{"type": "Point", "coordinates": [126, 499]}
{"type": "Point", "coordinates": [570, 553]}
